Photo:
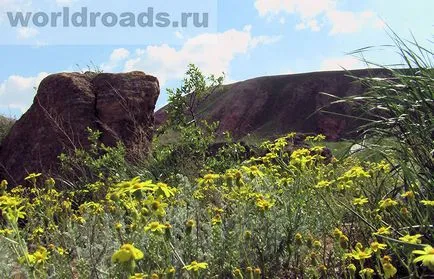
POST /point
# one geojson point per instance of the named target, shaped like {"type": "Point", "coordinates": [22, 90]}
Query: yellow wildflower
{"type": "Point", "coordinates": [32, 177]}
{"type": "Point", "coordinates": [38, 230]}
{"type": "Point", "coordinates": [61, 251]}
{"type": "Point", "coordinates": [361, 254]}
{"type": "Point", "coordinates": [9, 202]}
{"type": "Point", "coordinates": [216, 220]}
{"type": "Point", "coordinates": [352, 269]}
{"type": "Point", "coordinates": [387, 203]}
{"type": "Point", "coordinates": [408, 194]}
{"type": "Point", "coordinates": [91, 207]}
{"type": "Point", "coordinates": [319, 137]}
{"type": "Point", "coordinates": [41, 255]}
{"type": "Point", "coordinates": [427, 202]}
{"type": "Point", "coordinates": [413, 239]}
{"type": "Point", "coordinates": [253, 171]}
{"type": "Point", "coordinates": [356, 172]}
{"type": "Point", "coordinates": [298, 239]}
{"type": "Point", "coordinates": [162, 189]}
{"type": "Point", "coordinates": [389, 269]}
{"type": "Point", "coordinates": [426, 257]}
{"type": "Point", "coordinates": [323, 184]}
{"type": "Point", "coordinates": [383, 231]}
{"type": "Point", "coordinates": [343, 241]}
{"type": "Point", "coordinates": [264, 204]}
{"type": "Point", "coordinates": [171, 271]}
{"type": "Point", "coordinates": [78, 219]}
{"type": "Point", "coordinates": [139, 276]}
{"type": "Point", "coordinates": [134, 186]}
{"type": "Point", "coordinates": [208, 179]}
{"type": "Point", "coordinates": [237, 273]}
{"type": "Point", "coordinates": [367, 273]}
{"type": "Point", "coordinates": [190, 223]}
{"type": "Point", "coordinates": [360, 201]}
{"type": "Point", "coordinates": [337, 233]}
{"type": "Point", "coordinates": [127, 253]}
{"type": "Point", "coordinates": [257, 271]}
{"type": "Point", "coordinates": [155, 227]}
{"type": "Point", "coordinates": [375, 246]}
{"type": "Point", "coordinates": [6, 232]}
{"type": "Point", "coordinates": [196, 266]}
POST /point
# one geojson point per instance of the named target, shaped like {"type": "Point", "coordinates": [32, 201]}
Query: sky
{"type": "Point", "coordinates": [245, 39]}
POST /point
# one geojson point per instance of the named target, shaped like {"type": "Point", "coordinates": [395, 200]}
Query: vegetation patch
{"type": "Point", "coordinates": [5, 126]}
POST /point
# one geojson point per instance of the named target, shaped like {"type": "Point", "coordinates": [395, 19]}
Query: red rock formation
{"type": "Point", "coordinates": [119, 105]}
{"type": "Point", "coordinates": [275, 105]}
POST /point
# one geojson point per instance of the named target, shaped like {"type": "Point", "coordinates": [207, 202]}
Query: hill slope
{"type": "Point", "coordinates": [273, 105]}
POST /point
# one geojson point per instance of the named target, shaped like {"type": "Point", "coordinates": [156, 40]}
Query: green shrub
{"type": "Point", "coordinates": [5, 126]}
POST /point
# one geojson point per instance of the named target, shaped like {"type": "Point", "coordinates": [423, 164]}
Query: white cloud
{"type": "Point", "coordinates": [350, 22]}
{"type": "Point", "coordinates": [27, 33]}
{"type": "Point", "coordinates": [17, 92]}
{"type": "Point", "coordinates": [118, 56]}
{"type": "Point", "coordinates": [310, 24]}
{"type": "Point", "coordinates": [313, 15]}
{"type": "Point", "coordinates": [340, 63]}
{"type": "Point", "coordinates": [212, 52]}
{"type": "Point", "coordinates": [264, 40]}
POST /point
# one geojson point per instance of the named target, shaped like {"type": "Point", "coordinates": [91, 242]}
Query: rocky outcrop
{"type": "Point", "coordinates": [270, 106]}
{"type": "Point", "coordinates": [121, 106]}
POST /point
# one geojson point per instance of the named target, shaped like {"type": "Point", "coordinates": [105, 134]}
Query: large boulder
{"type": "Point", "coordinates": [121, 106]}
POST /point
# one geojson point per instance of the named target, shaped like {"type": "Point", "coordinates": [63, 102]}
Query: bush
{"type": "Point", "coordinates": [5, 126]}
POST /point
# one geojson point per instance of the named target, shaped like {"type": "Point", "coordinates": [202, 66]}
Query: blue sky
{"type": "Point", "coordinates": [252, 38]}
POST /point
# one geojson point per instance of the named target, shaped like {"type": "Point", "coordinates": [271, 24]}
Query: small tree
{"type": "Point", "coordinates": [185, 100]}
{"type": "Point", "coordinates": [188, 153]}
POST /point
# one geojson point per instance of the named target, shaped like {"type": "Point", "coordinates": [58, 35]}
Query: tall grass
{"type": "Point", "coordinates": [400, 109]}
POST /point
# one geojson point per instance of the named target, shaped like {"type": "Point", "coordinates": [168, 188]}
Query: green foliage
{"type": "Point", "coordinates": [400, 115]}
{"type": "Point", "coordinates": [95, 163]}
{"type": "Point", "coordinates": [287, 213]}
{"type": "Point", "coordinates": [184, 101]}
{"type": "Point", "coordinates": [190, 152]}
{"type": "Point", "coordinates": [402, 109]}
{"type": "Point", "coordinates": [187, 155]}
{"type": "Point", "coordinates": [5, 126]}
